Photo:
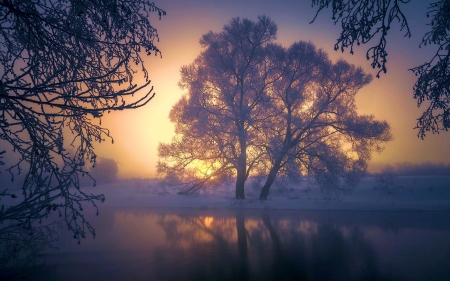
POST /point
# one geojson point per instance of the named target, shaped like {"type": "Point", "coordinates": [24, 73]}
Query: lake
{"type": "Point", "coordinates": [208, 244]}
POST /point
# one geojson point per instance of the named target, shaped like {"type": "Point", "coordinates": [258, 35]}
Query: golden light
{"type": "Point", "coordinates": [207, 221]}
{"type": "Point", "coordinates": [138, 132]}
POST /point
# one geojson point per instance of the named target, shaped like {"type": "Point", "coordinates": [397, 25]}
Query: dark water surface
{"type": "Point", "coordinates": [175, 244]}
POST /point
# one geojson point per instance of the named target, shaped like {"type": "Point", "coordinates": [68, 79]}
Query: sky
{"type": "Point", "coordinates": [137, 133]}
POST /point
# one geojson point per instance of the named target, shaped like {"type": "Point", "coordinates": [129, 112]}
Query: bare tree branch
{"type": "Point", "coordinates": [63, 64]}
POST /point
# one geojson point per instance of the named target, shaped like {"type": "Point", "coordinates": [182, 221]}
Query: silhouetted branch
{"type": "Point", "coordinates": [362, 20]}
{"type": "Point", "coordinates": [64, 63]}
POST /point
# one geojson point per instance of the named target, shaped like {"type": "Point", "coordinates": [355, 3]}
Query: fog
{"type": "Point", "coordinates": [174, 244]}
{"type": "Point", "coordinates": [145, 230]}
{"type": "Point", "coordinates": [420, 169]}
{"type": "Point", "coordinates": [260, 153]}
{"type": "Point", "coordinates": [137, 133]}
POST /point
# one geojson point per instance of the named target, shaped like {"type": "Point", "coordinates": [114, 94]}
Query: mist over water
{"type": "Point", "coordinates": [180, 244]}
{"type": "Point", "coordinates": [252, 116]}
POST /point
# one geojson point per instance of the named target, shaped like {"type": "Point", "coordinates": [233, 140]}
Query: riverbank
{"type": "Point", "coordinates": [407, 193]}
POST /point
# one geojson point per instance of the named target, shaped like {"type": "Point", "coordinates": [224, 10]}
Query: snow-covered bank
{"type": "Point", "coordinates": [420, 193]}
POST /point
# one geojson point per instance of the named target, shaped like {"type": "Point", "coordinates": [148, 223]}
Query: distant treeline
{"type": "Point", "coordinates": [422, 169]}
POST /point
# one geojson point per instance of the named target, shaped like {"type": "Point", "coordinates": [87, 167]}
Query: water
{"type": "Point", "coordinates": [177, 244]}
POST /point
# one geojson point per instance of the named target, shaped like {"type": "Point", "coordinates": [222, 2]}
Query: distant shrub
{"type": "Point", "coordinates": [105, 171]}
{"type": "Point", "coordinates": [385, 183]}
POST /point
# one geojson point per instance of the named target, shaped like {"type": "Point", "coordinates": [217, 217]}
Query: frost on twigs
{"type": "Point", "coordinates": [363, 21]}
{"type": "Point", "coordinates": [63, 64]}
{"type": "Point", "coordinates": [370, 20]}
{"type": "Point", "coordinates": [256, 108]}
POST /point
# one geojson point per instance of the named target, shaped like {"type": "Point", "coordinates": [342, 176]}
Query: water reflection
{"type": "Point", "coordinates": [21, 246]}
{"type": "Point", "coordinates": [146, 244]}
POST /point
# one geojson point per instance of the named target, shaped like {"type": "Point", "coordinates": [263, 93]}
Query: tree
{"type": "Point", "coordinates": [274, 107]}
{"type": "Point", "coordinates": [365, 20]}
{"type": "Point", "coordinates": [216, 122]}
{"type": "Point", "coordinates": [106, 170]}
{"type": "Point", "coordinates": [315, 129]}
{"type": "Point", "coordinates": [64, 63]}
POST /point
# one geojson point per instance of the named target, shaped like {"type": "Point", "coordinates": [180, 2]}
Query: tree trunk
{"type": "Point", "coordinates": [270, 179]}
{"type": "Point", "coordinates": [240, 182]}
{"type": "Point", "coordinates": [241, 168]}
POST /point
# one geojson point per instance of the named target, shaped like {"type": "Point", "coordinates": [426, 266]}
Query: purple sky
{"type": "Point", "coordinates": [138, 132]}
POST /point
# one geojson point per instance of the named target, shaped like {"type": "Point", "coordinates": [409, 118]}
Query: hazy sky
{"type": "Point", "coordinates": [138, 132]}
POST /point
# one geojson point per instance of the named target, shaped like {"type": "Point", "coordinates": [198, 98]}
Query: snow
{"type": "Point", "coordinates": [406, 193]}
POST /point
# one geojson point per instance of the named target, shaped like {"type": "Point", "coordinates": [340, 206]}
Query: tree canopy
{"type": "Point", "coordinates": [254, 107]}
{"type": "Point", "coordinates": [367, 20]}
{"type": "Point", "coordinates": [63, 64]}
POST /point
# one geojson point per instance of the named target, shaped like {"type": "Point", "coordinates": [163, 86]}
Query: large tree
{"type": "Point", "coordinates": [254, 107]}
{"type": "Point", "coordinates": [363, 21]}
{"type": "Point", "coordinates": [217, 121]}
{"type": "Point", "coordinates": [314, 127]}
{"type": "Point", "coordinates": [63, 64]}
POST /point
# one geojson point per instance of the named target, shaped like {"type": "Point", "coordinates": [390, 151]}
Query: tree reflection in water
{"type": "Point", "coordinates": [20, 246]}
{"type": "Point", "coordinates": [268, 249]}
{"type": "Point", "coordinates": [144, 244]}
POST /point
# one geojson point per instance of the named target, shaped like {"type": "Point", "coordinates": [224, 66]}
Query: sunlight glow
{"type": "Point", "coordinates": [137, 133]}
{"type": "Point", "coordinates": [208, 221]}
